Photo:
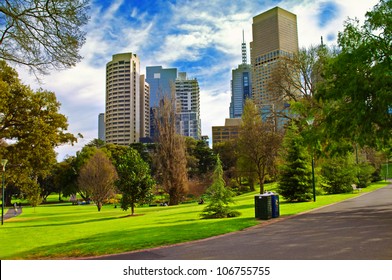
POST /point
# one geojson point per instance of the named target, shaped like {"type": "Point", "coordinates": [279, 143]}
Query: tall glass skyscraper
{"type": "Point", "coordinates": [160, 80]}
{"type": "Point", "coordinates": [241, 85]}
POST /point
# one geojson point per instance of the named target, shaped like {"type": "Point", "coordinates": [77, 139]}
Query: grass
{"type": "Point", "coordinates": [59, 231]}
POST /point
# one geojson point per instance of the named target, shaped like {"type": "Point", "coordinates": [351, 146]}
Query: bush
{"type": "Point", "coordinates": [338, 174]}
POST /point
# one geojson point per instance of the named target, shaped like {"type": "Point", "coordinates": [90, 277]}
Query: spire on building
{"type": "Point", "coordinates": [244, 58]}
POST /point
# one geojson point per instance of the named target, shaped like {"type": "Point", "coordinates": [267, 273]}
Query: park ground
{"type": "Point", "coordinates": [66, 231]}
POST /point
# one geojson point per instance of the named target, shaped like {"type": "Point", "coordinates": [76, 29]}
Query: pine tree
{"type": "Point", "coordinates": [295, 175]}
{"type": "Point", "coordinates": [220, 197]}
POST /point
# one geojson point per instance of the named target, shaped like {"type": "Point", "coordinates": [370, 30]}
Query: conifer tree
{"type": "Point", "coordinates": [220, 196]}
{"type": "Point", "coordinates": [295, 175]}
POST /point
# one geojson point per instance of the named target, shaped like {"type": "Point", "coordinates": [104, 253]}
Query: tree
{"type": "Point", "coordinates": [220, 197]}
{"type": "Point", "coordinates": [170, 157]}
{"type": "Point", "coordinates": [31, 123]}
{"type": "Point", "coordinates": [295, 174]}
{"type": "Point", "coordinates": [258, 143]}
{"type": "Point", "coordinates": [338, 173]}
{"type": "Point", "coordinates": [358, 81]}
{"type": "Point", "coordinates": [97, 177]}
{"type": "Point", "coordinates": [134, 180]}
{"type": "Point", "coordinates": [42, 35]}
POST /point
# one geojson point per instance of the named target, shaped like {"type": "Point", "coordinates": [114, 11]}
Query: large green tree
{"type": "Point", "coordinates": [258, 143]}
{"type": "Point", "coordinates": [357, 87]}
{"type": "Point", "coordinates": [134, 179]}
{"type": "Point", "coordinates": [32, 126]}
{"type": "Point", "coordinates": [42, 34]}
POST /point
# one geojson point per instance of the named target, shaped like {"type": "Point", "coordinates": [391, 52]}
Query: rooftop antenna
{"type": "Point", "coordinates": [244, 58]}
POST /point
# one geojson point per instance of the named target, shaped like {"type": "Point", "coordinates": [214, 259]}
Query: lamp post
{"type": "Point", "coordinates": [3, 163]}
{"type": "Point", "coordinates": [310, 122]}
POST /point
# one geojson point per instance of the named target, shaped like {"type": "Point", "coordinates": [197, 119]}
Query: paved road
{"type": "Point", "coordinates": [355, 229]}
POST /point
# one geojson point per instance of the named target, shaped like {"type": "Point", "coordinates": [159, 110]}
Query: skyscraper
{"type": "Point", "coordinates": [188, 106]}
{"type": "Point", "coordinates": [123, 115]}
{"type": "Point", "coordinates": [101, 126]}
{"type": "Point", "coordinates": [275, 36]}
{"type": "Point", "coordinates": [160, 81]}
{"type": "Point", "coordinates": [241, 84]}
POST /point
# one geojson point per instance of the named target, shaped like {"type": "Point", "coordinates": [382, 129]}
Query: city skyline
{"type": "Point", "coordinates": [202, 40]}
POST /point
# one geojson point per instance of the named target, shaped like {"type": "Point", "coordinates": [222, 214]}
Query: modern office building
{"type": "Point", "coordinates": [275, 36]}
{"type": "Point", "coordinates": [144, 108]}
{"type": "Point", "coordinates": [188, 121]}
{"type": "Point", "coordinates": [160, 80]}
{"type": "Point", "coordinates": [241, 84]}
{"type": "Point", "coordinates": [101, 126]}
{"type": "Point", "coordinates": [124, 94]}
{"type": "Point", "coordinates": [227, 132]}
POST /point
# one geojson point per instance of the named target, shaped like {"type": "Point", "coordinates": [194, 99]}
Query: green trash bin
{"type": "Point", "coordinates": [263, 207]}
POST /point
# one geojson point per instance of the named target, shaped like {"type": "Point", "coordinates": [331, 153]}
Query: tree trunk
{"type": "Point", "coordinates": [132, 209]}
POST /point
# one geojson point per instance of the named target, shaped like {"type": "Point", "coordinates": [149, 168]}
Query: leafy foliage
{"type": "Point", "coordinates": [338, 174]}
{"type": "Point", "coordinates": [134, 179]}
{"type": "Point", "coordinates": [357, 82]}
{"type": "Point", "coordinates": [258, 143]}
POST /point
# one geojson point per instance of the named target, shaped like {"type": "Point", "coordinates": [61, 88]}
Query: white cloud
{"type": "Point", "coordinates": [184, 33]}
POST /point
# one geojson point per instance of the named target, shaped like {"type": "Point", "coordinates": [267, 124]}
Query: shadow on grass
{"type": "Point", "coordinates": [131, 240]}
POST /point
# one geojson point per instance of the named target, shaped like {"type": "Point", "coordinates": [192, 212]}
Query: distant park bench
{"type": "Point", "coordinates": [355, 188]}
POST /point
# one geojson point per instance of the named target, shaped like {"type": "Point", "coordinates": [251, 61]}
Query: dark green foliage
{"type": "Point", "coordinates": [295, 176]}
{"type": "Point", "coordinates": [134, 179]}
{"type": "Point", "coordinates": [365, 174]}
{"type": "Point", "coordinates": [220, 197]}
{"type": "Point", "coordinates": [356, 90]}
{"type": "Point", "coordinates": [338, 174]}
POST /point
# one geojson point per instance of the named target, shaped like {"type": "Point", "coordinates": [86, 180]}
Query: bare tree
{"type": "Point", "coordinates": [42, 34]}
{"type": "Point", "coordinates": [170, 157]}
{"type": "Point", "coordinates": [258, 143]}
{"type": "Point", "coordinates": [294, 81]}
{"type": "Point", "coordinates": [97, 177]}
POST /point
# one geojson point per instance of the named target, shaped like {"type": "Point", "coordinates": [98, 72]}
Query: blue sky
{"type": "Point", "coordinates": [202, 38]}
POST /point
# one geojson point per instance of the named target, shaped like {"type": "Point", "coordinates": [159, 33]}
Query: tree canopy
{"type": "Point", "coordinates": [357, 86]}
{"type": "Point", "coordinates": [42, 34]}
{"type": "Point", "coordinates": [31, 127]}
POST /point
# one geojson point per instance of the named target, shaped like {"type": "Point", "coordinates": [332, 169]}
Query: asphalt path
{"type": "Point", "coordinates": [355, 229]}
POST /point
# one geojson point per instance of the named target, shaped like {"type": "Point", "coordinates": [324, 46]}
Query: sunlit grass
{"type": "Point", "coordinates": [58, 231]}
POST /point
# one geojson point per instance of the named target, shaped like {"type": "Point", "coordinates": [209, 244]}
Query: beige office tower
{"type": "Point", "coordinates": [123, 90]}
{"type": "Point", "coordinates": [275, 36]}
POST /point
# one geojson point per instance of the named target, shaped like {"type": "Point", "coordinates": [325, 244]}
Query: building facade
{"type": "Point", "coordinates": [188, 106]}
{"type": "Point", "coordinates": [241, 84]}
{"type": "Point", "coordinates": [144, 108]}
{"type": "Point", "coordinates": [227, 132]}
{"type": "Point", "coordinates": [275, 36]}
{"type": "Point", "coordinates": [123, 116]}
{"type": "Point", "coordinates": [101, 126]}
{"type": "Point", "coordinates": [160, 81]}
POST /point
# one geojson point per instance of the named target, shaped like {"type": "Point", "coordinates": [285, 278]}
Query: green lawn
{"type": "Point", "coordinates": [56, 231]}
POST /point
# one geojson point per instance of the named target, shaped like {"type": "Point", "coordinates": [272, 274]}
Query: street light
{"type": "Point", "coordinates": [3, 163]}
{"type": "Point", "coordinates": [310, 122]}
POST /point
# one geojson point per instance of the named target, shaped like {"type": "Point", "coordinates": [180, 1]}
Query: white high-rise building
{"type": "Point", "coordinates": [124, 118]}
{"type": "Point", "coordinates": [188, 106]}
